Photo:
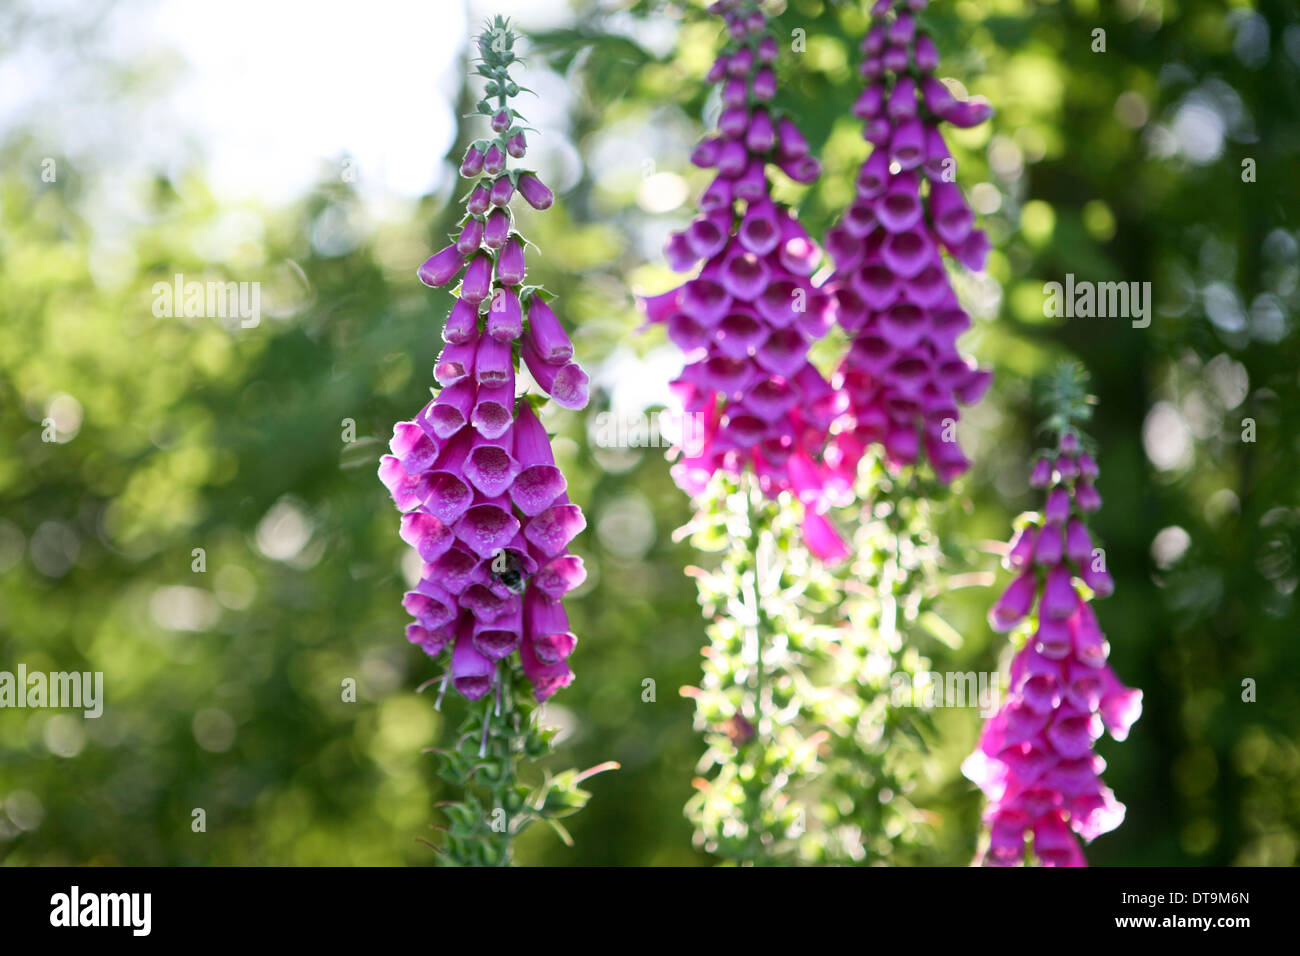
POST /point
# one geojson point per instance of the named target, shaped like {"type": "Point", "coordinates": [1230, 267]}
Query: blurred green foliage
{"type": "Point", "coordinates": [225, 687]}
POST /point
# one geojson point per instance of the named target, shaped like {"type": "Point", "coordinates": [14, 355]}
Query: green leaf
{"type": "Point", "coordinates": [558, 827]}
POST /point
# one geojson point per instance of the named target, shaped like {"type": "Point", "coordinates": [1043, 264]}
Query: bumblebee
{"type": "Point", "coordinates": [507, 570]}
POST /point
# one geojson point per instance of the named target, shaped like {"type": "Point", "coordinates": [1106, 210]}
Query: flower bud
{"type": "Point", "coordinates": [510, 263]}
{"type": "Point", "coordinates": [497, 230]}
{"type": "Point", "coordinates": [535, 192]}
{"type": "Point", "coordinates": [478, 201]}
{"type": "Point", "coordinates": [502, 190]}
{"type": "Point", "coordinates": [441, 267]}
{"type": "Point", "coordinates": [472, 164]}
{"type": "Point", "coordinates": [471, 236]}
{"type": "Point", "coordinates": [494, 161]}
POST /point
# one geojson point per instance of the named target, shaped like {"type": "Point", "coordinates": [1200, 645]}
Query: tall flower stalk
{"type": "Point", "coordinates": [482, 500]}
{"type": "Point", "coordinates": [1035, 761]}
{"type": "Point", "coordinates": [757, 464]}
{"type": "Point", "coordinates": [901, 381]}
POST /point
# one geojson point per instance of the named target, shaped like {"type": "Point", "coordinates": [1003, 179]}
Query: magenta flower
{"type": "Point", "coordinates": [1035, 760]}
{"type": "Point", "coordinates": [497, 230]}
{"type": "Point", "coordinates": [472, 164]}
{"type": "Point", "coordinates": [1015, 603]}
{"type": "Point", "coordinates": [501, 192]}
{"type": "Point", "coordinates": [746, 320]}
{"type": "Point", "coordinates": [545, 337]}
{"type": "Point", "coordinates": [442, 267]}
{"type": "Point", "coordinates": [483, 502]}
{"type": "Point", "coordinates": [903, 376]}
{"type": "Point", "coordinates": [535, 192]}
{"type": "Point", "coordinates": [471, 237]}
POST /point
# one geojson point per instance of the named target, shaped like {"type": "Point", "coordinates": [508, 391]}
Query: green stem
{"type": "Point", "coordinates": [753, 598]}
{"type": "Point", "coordinates": [484, 769]}
{"type": "Point", "coordinates": [746, 807]}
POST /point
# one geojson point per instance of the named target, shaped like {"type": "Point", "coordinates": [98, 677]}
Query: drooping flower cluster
{"type": "Point", "coordinates": [483, 503]}
{"type": "Point", "coordinates": [746, 321]}
{"type": "Point", "coordinates": [903, 375]}
{"type": "Point", "coordinates": [1035, 760]}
